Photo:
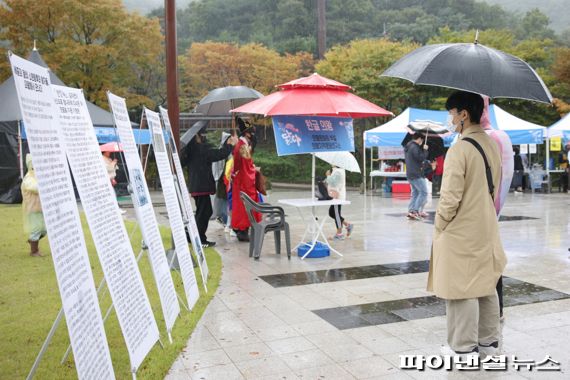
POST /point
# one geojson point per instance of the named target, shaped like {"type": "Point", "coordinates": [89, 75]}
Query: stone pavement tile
{"type": "Point", "coordinates": [178, 365]}
{"type": "Point", "coordinates": [329, 372]}
{"type": "Point", "coordinates": [177, 375]}
{"type": "Point", "coordinates": [507, 375]}
{"type": "Point", "coordinates": [389, 346]}
{"type": "Point", "coordinates": [373, 366]}
{"type": "Point", "coordinates": [306, 359]}
{"type": "Point", "coordinates": [400, 375]}
{"type": "Point", "coordinates": [288, 345]}
{"type": "Point", "coordinates": [289, 375]}
{"type": "Point", "coordinates": [236, 338]}
{"type": "Point", "coordinates": [339, 346]}
{"type": "Point", "coordinates": [226, 372]}
{"type": "Point", "coordinates": [248, 352]}
{"type": "Point", "coordinates": [276, 332]}
{"type": "Point", "coordinates": [439, 375]}
{"type": "Point", "coordinates": [196, 361]}
{"type": "Point", "coordinates": [201, 340]}
{"type": "Point", "coordinates": [314, 327]}
{"type": "Point", "coordinates": [264, 367]}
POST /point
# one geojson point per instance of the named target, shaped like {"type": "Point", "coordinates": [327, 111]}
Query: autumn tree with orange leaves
{"type": "Point", "coordinates": [94, 45]}
{"type": "Point", "coordinates": [209, 65]}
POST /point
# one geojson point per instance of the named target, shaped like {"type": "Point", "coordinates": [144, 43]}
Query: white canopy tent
{"type": "Point", "coordinates": [519, 131]}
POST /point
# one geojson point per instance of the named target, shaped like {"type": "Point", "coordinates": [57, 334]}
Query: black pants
{"type": "Point", "coordinates": [203, 214]}
{"type": "Point", "coordinates": [334, 212]}
{"type": "Point", "coordinates": [436, 184]}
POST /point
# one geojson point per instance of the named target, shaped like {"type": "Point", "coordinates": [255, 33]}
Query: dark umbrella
{"type": "Point", "coordinates": [221, 100]}
{"type": "Point", "coordinates": [194, 129]}
{"type": "Point", "coordinates": [471, 67]}
{"type": "Point", "coordinates": [435, 145]}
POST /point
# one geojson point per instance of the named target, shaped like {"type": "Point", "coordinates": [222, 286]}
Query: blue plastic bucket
{"type": "Point", "coordinates": [320, 250]}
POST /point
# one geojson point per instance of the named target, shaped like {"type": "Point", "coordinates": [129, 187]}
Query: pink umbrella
{"type": "Point", "coordinates": [111, 147]}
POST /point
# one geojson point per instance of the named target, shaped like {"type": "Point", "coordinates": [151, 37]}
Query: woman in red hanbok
{"type": "Point", "coordinates": [243, 178]}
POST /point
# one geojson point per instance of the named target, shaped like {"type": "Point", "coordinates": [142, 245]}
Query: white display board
{"type": "Point", "coordinates": [106, 224]}
{"type": "Point", "coordinates": [523, 149]}
{"type": "Point", "coordinates": [68, 249]}
{"type": "Point", "coordinates": [145, 212]}
{"type": "Point", "coordinates": [172, 207]}
{"type": "Point", "coordinates": [187, 205]}
{"type": "Point", "coordinates": [391, 152]}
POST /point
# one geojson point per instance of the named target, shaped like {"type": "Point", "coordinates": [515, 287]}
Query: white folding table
{"type": "Point", "coordinates": [314, 229]}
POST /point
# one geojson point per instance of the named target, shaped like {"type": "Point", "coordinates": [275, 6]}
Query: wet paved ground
{"type": "Point", "coordinates": [352, 317]}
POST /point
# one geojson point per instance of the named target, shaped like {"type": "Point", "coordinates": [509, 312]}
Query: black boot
{"type": "Point", "coordinates": [242, 235]}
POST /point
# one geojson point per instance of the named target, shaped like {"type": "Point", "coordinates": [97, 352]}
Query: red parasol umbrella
{"type": "Point", "coordinates": [313, 95]}
{"type": "Point", "coordinates": [111, 147]}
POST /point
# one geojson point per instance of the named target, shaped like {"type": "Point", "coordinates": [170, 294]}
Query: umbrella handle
{"type": "Point", "coordinates": [425, 140]}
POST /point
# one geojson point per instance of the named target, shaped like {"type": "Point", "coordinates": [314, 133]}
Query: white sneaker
{"type": "Point", "coordinates": [447, 351]}
{"type": "Point", "coordinates": [485, 351]}
{"type": "Point", "coordinates": [233, 233]}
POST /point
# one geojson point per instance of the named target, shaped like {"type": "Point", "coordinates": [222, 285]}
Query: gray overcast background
{"type": "Point", "coordinates": [555, 9]}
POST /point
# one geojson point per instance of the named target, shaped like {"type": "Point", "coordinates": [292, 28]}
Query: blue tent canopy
{"type": "Point", "coordinates": [393, 132]}
{"type": "Point", "coordinates": [518, 130]}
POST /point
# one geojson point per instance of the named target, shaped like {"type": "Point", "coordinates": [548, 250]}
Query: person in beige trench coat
{"type": "Point", "coordinates": [467, 255]}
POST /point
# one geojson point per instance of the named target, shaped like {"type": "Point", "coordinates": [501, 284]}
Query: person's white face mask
{"type": "Point", "coordinates": [450, 125]}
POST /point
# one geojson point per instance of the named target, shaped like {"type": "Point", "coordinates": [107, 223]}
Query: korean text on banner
{"type": "Point", "coordinates": [72, 267]}
{"type": "Point", "coordinates": [173, 208]}
{"type": "Point", "coordinates": [145, 212]}
{"type": "Point", "coordinates": [106, 224]}
{"type": "Point", "coordinates": [187, 205]}
{"type": "Point", "coordinates": [312, 134]}
{"type": "Point", "coordinates": [391, 152]}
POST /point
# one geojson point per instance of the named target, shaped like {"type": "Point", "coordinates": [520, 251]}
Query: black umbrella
{"type": "Point", "coordinates": [471, 67]}
{"type": "Point", "coordinates": [221, 100]}
{"type": "Point", "coordinates": [435, 145]}
{"type": "Point", "coordinates": [194, 129]}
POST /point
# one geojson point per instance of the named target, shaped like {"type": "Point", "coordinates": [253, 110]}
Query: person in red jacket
{"type": "Point", "coordinates": [437, 174]}
{"type": "Point", "coordinates": [243, 178]}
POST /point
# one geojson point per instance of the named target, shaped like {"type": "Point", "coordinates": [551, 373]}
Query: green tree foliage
{"type": "Point", "coordinates": [535, 24]}
{"type": "Point", "coordinates": [94, 45]}
{"type": "Point", "coordinates": [290, 25]}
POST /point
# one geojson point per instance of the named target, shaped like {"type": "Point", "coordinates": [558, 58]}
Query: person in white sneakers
{"type": "Point", "coordinates": [336, 184]}
{"type": "Point", "coordinates": [467, 256]}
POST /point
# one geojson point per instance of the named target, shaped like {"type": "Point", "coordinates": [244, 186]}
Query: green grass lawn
{"type": "Point", "coordinates": [30, 301]}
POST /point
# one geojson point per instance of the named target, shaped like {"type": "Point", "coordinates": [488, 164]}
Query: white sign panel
{"type": "Point", "coordinates": [189, 213]}
{"type": "Point", "coordinates": [72, 267]}
{"type": "Point", "coordinates": [145, 212]}
{"type": "Point", "coordinates": [172, 208]}
{"type": "Point", "coordinates": [523, 149]}
{"type": "Point", "coordinates": [532, 148]}
{"type": "Point", "coordinates": [390, 152]}
{"type": "Point", "coordinates": [106, 224]}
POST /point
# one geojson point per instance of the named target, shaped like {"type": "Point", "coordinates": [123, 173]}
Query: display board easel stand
{"type": "Point", "coordinates": [111, 307]}
{"type": "Point", "coordinates": [185, 216]}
